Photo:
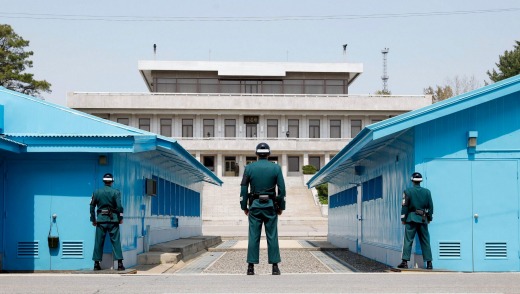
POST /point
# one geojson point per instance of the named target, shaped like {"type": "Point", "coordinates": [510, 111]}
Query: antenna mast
{"type": "Point", "coordinates": [385, 75]}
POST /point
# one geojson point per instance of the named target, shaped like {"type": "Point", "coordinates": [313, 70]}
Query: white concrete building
{"type": "Point", "coordinates": [219, 111]}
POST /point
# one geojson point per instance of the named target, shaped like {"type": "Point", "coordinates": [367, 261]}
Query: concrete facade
{"type": "Point", "coordinates": [219, 111]}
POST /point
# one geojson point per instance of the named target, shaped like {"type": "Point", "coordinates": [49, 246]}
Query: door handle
{"type": "Point", "coordinates": [475, 215]}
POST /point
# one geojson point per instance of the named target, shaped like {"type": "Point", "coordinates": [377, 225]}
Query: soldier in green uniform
{"type": "Point", "coordinates": [416, 214]}
{"type": "Point", "coordinates": [109, 216]}
{"type": "Point", "coordinates": [262, 205]}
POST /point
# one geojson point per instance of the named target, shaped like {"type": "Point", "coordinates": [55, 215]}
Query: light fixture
{"type": "Point", "coordinates": [472, 142]}
{"type": "Point", "coordinates": [472, 139]}
{"type": "Point", "coordinates": [103, 160]}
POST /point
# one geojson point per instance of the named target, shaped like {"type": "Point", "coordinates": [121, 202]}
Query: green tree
{"type": "Point", "coordinates": [508, 65]}
{"type": "Point", "coordinates": [383, 92]}
{"type": "Point", "coordinates": [14, 60]}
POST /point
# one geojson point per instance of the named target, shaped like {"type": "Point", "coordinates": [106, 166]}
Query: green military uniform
{"type": "Point", "coordinates": [416, 201]}
{"type": "Point", "coordinates": [263, 176]}
{"type": "Point", "coordinates": [109, 214]}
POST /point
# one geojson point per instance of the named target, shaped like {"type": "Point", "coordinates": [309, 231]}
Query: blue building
{"type": "Point", "coordinates": [52, 158]}
{"type": "Point", "coordinates": [468, 151]}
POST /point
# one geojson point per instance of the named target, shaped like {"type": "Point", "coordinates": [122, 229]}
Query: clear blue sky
{"type": "Point", "coordinates": [94, 46]}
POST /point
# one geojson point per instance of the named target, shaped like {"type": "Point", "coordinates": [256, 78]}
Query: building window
{"type": "Point", "coordinates": [144, 124]}
{"type": "Point", "coordinates": [187, 85]}
{"type": "Point", "coordinates": [355, 127]}
{"type": "Point", "coordinates": [251, 130]}
{"type": "Point", "coordinates": [208, 128]}
{"type": "Point", "coordinates": [272, 87]}
{"type": "Point", "coordinates": [376, 120]}
{"type": "Point", "coordinates": [166, 85]}
{"type": "Point", "coordinates": [187, 128]}
{"type": "Point", "coordinates": [294, 164]}
{"type": "Point", "coordinates": [230, 128]}
{"type": "Point", "coordinates": [335, 128]}
{"type": "Point", "coordinates": [314, 128]}
{"type": "Point", "coordinates": [315, 161]}
{"type": "Point", "coordinates": [334, 87]}
{"type": "Point", "coordinates": [314, 87]}
{"type": "Point", "coordinates": [166, 127]}
{"type": "Point", "coordinates": [293, 128]}
{"type": "Point", "coordinates": [251, 87]}
{"type": "Point", "coordinates": [293, 86]}
{"type": "Point", "coordinates": [229, 86]}
{"type": "Point", "coordinates": [208, 85]}
{"type": "Point", "coordinates": [124, 121]}
{"type": "Point", "coordinates": [272, 128]}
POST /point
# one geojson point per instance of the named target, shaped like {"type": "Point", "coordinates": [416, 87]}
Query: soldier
{"type": "Point", "coordinates": [109, 217]}
{"type": "Point", "coordinates": [264, 207]}
{"type": "Point", "coordinates": [416, 214]}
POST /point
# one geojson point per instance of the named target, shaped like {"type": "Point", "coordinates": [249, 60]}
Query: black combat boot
{"type": "Point", "coordinates": [403, 264]}
{"type": "Point", "coordinates": [97, 266]}
{"type": "Point", "coordinates": [429, 265]}
{"type": "Point", "coordinates": [276, 270]}
{"type": "Point", "coordinates": [250, 269]}
{"type": "Point", "coordinates": [120, 266]}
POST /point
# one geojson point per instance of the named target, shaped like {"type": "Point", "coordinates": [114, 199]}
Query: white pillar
{"type": "Point", "coordinates": [219, 170]}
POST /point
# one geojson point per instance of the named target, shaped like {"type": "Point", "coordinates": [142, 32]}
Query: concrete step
{"type": "Point", "coordinates": [172, 252]}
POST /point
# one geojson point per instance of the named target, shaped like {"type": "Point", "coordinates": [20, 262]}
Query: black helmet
{"type": "Point", "coordinates": [416, 177]}
{"type": "Point", "coordinates": [263, 150]}
{"type": "Point", "coordinates": [108, 178]}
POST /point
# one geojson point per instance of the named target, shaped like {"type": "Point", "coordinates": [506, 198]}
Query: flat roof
{"type": "Point", "coordinates": [247, 69]}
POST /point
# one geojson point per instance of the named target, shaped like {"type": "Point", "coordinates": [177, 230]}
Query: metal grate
{"type": "Point", "coordinates": [72, 249]}
{"type": "Point", "coordinates": [496, 250]}
{"type": "Point", "coordinates": [449, 250]}
{"type": "Point", "coordinates": [28, 249]}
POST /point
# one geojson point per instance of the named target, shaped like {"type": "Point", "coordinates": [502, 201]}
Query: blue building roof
{"type": "Point", "coordinates": [376, 136]}
{"type": "Point", "coordinates": [29, 124]}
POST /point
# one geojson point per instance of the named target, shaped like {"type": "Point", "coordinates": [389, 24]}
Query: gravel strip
{"type": "Point", "coordinates": [234, 262]}
{"type": "Point", "coordinates": [359, 262]}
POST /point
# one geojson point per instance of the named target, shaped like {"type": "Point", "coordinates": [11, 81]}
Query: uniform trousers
{"type": "Point", "coordinates": [421, 229]}
{"type": "Point", "coordinates": [113, 230]}
{"type": "Point", "coordinates": [257, 217]}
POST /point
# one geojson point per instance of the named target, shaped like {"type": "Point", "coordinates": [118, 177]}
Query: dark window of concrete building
{"type": "Point", "coordinates": [314, 87]}
{"type": "Point", "coordinates": [165, 85]}
{"type": "Point", "coordinates": [314, 128]}
{"type": "Point", "coordinates": [355, 127]}
{"type": "Point", "coordinates": [124, 121]}
{"type": "Point", "coordinates": [144, 124]}
{"type": "Point", "coordinates": [251, 130]}
{"type": "Point", "coordinates": [166, 127]}
{"type": "Point", "coordinates": [229, 86]}
{"type": "Point", "coordinates": [315, 161]}
{"type": "Point", "coordinates": [209, 162]}
{"type": "Point", "coordinates": [208, 85]}
{"type": "Point", "coordinates": [294, 163]}
{"type": "Point", "coordinates": [230, 128]}
{"type": "Point", "coordinates": [208, 128]}
{"type": "Point", "coordinates": [187, 85]}
{"type": "Point", "coordinates": [334, 86]}
{"type": "Point", "coordinates": [272, 87]}
{"type": "Point", "coordinates": [187, 128]}
{"type": "Point", "coordinates": [293, 86]}
{"type": "Point", "coordinates": [250, 87]}
{"type": "Point", "coordinates": [335, 128]}
{"type": "Point", "coordinates": [272, 128]}
{"type": "Point", "coordinates": [294, 128]}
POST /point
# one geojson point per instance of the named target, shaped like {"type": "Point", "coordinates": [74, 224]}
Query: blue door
{"type": "Point", "coordinates": [475, 225]}
{"type": "Point", "coordinates": [35, 191]}
{"type": "Point", "coordinates": [495, 216]}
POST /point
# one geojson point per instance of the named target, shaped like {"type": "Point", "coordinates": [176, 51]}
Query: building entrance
{"type": "Point", "coordinates": [231, 166]}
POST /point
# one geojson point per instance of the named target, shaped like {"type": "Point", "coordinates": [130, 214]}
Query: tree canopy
{"type": "Point", "coordinates": [508, 65]}
{"type": "Point", "coordinates": [453, 87]}
{"type": "Point", "coordinates": [14, 60]}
